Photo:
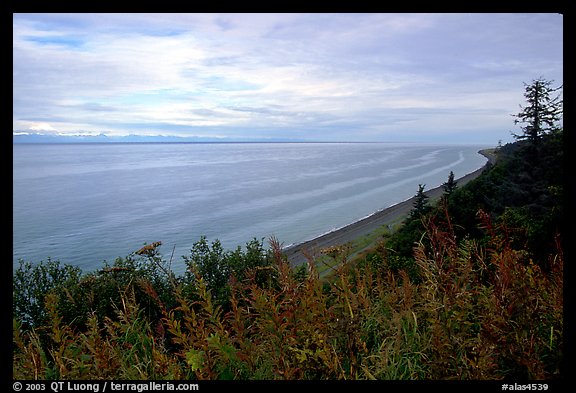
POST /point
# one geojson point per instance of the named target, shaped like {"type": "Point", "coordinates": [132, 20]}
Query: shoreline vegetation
{"type": "Point", "coordinates": [468, 289]}
{"type": "Point", "coordinates": [299, 254]}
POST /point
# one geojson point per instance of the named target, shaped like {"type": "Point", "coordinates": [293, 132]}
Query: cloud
{"type": "Point", "coordinates": [41, 127]}
{"type": "Point", "coordinates": [374, 75]}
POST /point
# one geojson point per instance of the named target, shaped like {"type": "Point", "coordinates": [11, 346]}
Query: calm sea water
{"type": "Point", "coordinates": [86, 203]}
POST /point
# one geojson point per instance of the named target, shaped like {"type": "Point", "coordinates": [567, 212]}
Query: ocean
{"type": "Point", "coordinates": [84, 204]}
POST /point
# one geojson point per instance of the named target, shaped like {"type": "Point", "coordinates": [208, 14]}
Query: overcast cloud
{"type": "Point", "coordinates": [340, 77]}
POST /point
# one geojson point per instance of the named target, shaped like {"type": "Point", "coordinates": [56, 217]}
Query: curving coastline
{"type": "Point", "coordinates": [295, 253]}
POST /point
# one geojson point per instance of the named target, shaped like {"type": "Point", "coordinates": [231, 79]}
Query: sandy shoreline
{"type": "Point", "coordinates": [369, 224]}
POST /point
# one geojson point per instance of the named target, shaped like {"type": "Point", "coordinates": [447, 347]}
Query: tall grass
{"type": "Point", "coordinates": [480, 310]}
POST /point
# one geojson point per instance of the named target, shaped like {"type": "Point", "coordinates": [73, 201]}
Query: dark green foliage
{"type": "Point", "coordinates": [469, 289]}
{"type": "Point", "coordinates": [31, 284]}
{"type": "Point", "coordinates": [527, 194]}
{"type": "Point", "coordinates": [210, 263]}
{"type": "Point", "coordinates": [450, 185]}
{"type": "Point", "coordinates": [542, 113]}
{"type": "Point", "coordinates": [400, 246]}
{"type": "Point", "coordinates": [524, 194]}
{"type": "Point", "coordinates": [99, 293]}
{"type": "Point", "coordinates": [478, 312]}
{"type": "Point", "coordinates": [421, 206]}
{"type": "Point", "coordinates": [217, 266]}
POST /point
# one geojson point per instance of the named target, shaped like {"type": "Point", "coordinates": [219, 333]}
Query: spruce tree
{"type": "Point", "coordinates": [450, 185]}
{"type": "Point", "coordinates": [543, 112]}
{"type": "Point", "coordinates": [421, 206]}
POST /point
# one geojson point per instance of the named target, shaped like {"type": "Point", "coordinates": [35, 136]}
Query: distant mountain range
{"type": "Point", "coordinates": [103, 138]}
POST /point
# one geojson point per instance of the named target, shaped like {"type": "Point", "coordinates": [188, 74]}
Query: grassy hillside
{"type": "Point", "coordinates": [472, 289]}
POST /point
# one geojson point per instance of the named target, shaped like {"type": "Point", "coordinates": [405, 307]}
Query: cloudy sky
{"type": "Point", "coordinates": [337, 77]}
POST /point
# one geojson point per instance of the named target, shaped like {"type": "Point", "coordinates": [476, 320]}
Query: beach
{"type": "Point", "coordinates": [296, 253]}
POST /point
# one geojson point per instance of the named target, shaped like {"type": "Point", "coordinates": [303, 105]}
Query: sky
{"type": "Point", "coordinates": [317, 77]}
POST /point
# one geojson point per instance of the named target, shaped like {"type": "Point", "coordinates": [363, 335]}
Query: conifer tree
{"type": "Point", "coordinates": [543, 112]}
{"type": "Point", "coordinates": [421, 206]}
{"type": "Point", "coordinates": [450, 186]}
